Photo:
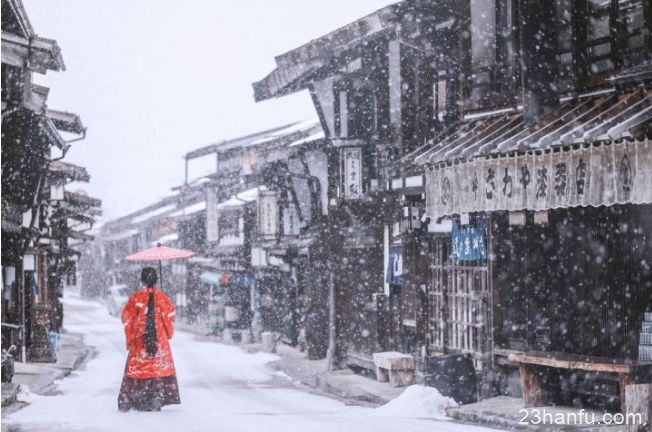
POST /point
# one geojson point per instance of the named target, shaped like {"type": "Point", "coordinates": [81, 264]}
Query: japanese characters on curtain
{"type": "Point", "coordinates": [588, 176]}
{"type": "Point", "coordinates": [352, 173]}
{"type": "Point", "coordinates": [469, 243]}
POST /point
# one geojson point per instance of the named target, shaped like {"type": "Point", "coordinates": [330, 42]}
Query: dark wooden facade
{"type": "Point", "coordinates": [41, 224]}
{"type": "Point", "coordinates": [456, 78]}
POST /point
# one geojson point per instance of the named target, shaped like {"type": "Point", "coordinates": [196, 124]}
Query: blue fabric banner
{"type": "Point", "coordinates": [35, 285]}
{"type": "Point", "coordinates": [469, 243]}
{"type": "Point", "coordinates": [395, 266]}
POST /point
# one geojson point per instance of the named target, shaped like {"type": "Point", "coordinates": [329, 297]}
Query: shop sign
{"type": "Point", "coordinates": [352, 173]}
{"type": "Point", "coordinates": [618, 173]}
{"type": "Point", "coordinates": [268, 214]}
{"type": "Point", "coordinates": [469, 243]}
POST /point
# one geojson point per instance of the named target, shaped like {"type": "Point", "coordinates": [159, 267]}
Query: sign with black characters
{"type": "Point", "coordinates": [610, 174]}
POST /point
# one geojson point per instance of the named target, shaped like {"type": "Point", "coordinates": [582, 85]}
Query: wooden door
{"type": "Point", "coordinates": [458, 304]}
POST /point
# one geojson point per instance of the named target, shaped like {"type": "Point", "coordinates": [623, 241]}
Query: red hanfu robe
{"type": "Point", "coordinates": [134, 317]}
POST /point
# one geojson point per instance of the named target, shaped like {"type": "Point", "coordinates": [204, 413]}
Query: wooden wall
{"type": "Point", "coordinates": [579, 284]}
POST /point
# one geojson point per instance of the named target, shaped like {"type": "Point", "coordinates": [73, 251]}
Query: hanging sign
{"type": "Point", "coordinates": [352, 173]}
{"type": "Point", "coordinates": [605, 175]}
{"type": "Point", "coordinates": [469, 243]}
{"type": "Point", "coordinates": [268, 210]}
{"type": "Point", "coordinates": [395, 266]}
{"type": "Point", "coordinates": [212, 216]}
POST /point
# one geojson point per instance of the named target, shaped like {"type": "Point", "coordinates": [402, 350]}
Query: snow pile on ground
{"type": "Point", "coordinates": [25, 395]}
{"type": "Point", "coordinates": [418, 401]}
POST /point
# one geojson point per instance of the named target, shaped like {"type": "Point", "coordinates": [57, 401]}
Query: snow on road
{"type": "Point", "coordinates": [222, 389]}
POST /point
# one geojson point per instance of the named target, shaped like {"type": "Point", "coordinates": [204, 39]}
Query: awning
{"type": "Point", "coordinates": [240, 142]}
{"type": "Point", "coordinates": [80, 199]}
{"type": "Point", "coordinates": [66, 121]}
{"type": "Point", "coordinates": [309, 139]}
{"type": "Point", "coordinates": [242, 198]}
{"type": "Point", "coordinates": [583, 120]}
{"type": "Point", "coordinates": [191, 209]}
{"type": "Point", "coordinates": [71, 171]}
{"type": "Point", "coordinates": [121, 235]}
{"type": "Point", "coordinates": [152, 214]}
{"type": "Point", "coordinates": [302, 126]}
{"type": "Point", "coordinates": [589, 152]}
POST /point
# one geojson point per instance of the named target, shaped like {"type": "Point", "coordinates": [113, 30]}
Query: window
{"type": "Point", "coordinates": [598, 36]}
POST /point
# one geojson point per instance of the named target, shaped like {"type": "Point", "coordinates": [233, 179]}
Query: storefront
{"type": "Point", "coordinates": [230, 299]}
{"type": "Point", "coordinates": [549, 230]}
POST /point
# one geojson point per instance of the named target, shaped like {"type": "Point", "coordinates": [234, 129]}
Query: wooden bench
{"type": "Point", "coordinates": [395, 367]}
{"type": "Point", "coordinates": [534, 389]}
{"type": "Point", "coordinates": [358, 361]}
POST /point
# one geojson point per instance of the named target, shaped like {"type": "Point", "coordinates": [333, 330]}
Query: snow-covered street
{"type": "Point", "coordinates": [222, 389]}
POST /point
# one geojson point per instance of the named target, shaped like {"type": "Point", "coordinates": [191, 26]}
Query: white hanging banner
{"type": "Point", "coordinates": [352, 173]}
{"type": "Point", "coordinates": [589, 176]}
{"type": "Point", "coordinates": [212, 233]}
{"type": "Point", "coordinates": [268, 213]}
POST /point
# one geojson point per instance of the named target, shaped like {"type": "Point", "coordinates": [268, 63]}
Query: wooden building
{"type": "Point", "coordinates": [552, 262]}
{"type": "Point", "coordinates": [469, 91]}
{"type": "Point", "coordinates": [249, 196]}
{"type": "Point", "coordinates": [41, 221]}
{"type": "Point", "coordinates": [383, 86]}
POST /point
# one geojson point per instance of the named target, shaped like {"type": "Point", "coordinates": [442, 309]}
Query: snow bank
{"type": "Point", "coordinates": [418, 401]}
{"type": "Point", "coordinates": [25, 395]}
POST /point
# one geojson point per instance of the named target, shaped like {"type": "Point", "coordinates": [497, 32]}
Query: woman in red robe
{"type": "Point", "coordinates": [150, 379]}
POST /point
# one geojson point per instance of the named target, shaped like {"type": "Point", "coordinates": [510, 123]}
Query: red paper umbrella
{"type": "Point", "coordinates": [160, 253]}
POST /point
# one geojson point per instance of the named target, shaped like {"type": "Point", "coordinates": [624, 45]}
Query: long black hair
{"type": "Point", "coordinates": [148, 277]}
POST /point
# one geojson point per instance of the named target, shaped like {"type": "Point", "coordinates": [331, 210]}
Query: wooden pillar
{"type": "Point", "coordinates": [532, 383]}
{"type": "Point", "coordinates": [639, 404]}
{"type": "Point", "coordinates": [538, 53]}
{"type": "Point", "coordinates": [579, 30]}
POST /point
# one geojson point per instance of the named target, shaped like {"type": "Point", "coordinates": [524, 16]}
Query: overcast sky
{"type": "Point", "coordinates": [153, 79]}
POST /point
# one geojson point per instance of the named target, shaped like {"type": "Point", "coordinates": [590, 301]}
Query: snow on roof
{"type": "Point", "coordinates": [169, 238]}
{"type": "Point", "coordinates": [482, 114]}
{"type": "Point", "coordinates": [242, 198]}
{"type": "Point", "coordinates": [122, 235]}
{"type": "Point", "coordinates": [314, 137]}
{"type": "Point", "coordinates": [159, 211]}
{"type": "Point", "coordinates": [296, 127]}
{"type": "Point", "coordinates": [191, 209]}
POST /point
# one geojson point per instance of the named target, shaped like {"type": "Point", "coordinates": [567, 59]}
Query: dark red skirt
{"type": "Point", "coordinates": [148, 394]}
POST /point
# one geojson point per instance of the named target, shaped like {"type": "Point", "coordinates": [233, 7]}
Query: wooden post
{"type": "Point", "coordinates": [332, 324]}
{"type": "Point", "coordinates": [533, 392]}
{"type": "Point", "coordinates": [638, 399]}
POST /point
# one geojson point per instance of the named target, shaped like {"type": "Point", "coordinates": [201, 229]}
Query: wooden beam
{"type": "Point", "coordinates": [574, 361]}
{"type": "Point", "coordinates": [37, 54]}
{"type": "Point", "coordinates": [65, 121]}
{"type": "Point", "coordinates": [36, 99]}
